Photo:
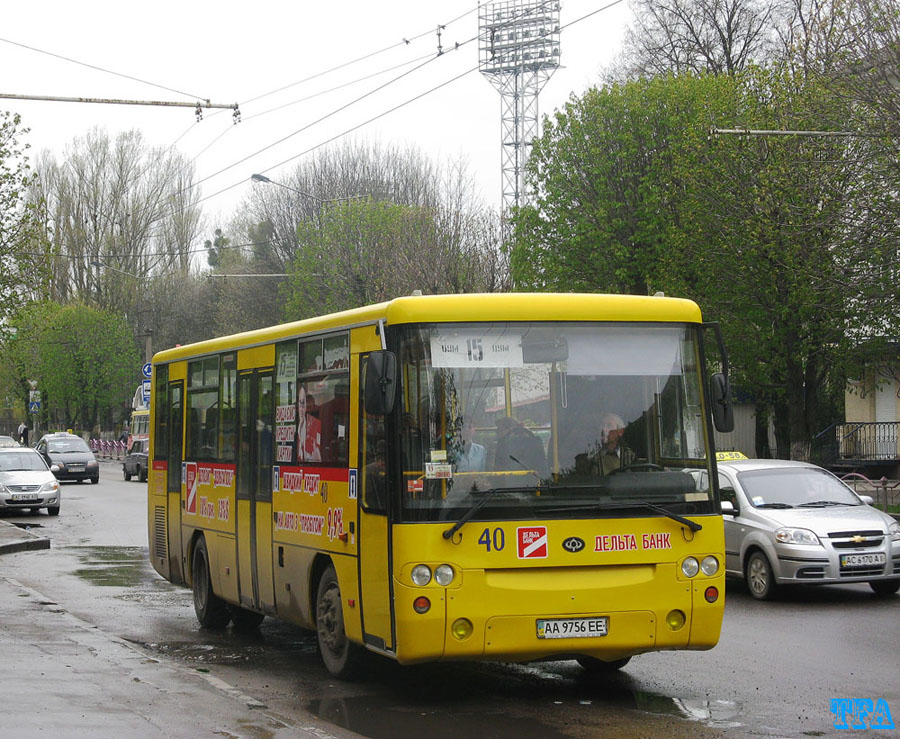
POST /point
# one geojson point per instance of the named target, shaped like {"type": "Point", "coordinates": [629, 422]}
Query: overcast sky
{"type": "Point", "coordinates": [230, 55]}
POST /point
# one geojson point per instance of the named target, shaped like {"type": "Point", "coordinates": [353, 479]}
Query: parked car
{"type": "Point", "coordinates": [796, 523]}
{"type": "Point", "coordinates": [69, 457]}
{"type": "Point", "coordinates": [135, 463]}
{"type": "Point", "coordinates": [7, 441]}
{"type": "Point", "coordinates": [26, 481]}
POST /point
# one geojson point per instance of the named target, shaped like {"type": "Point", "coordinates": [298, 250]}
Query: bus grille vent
{"type": "Point", "coordinates": [159, 531]}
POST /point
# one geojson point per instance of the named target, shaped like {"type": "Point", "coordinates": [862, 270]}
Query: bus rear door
{"type": "Point", "coordinates": [254, 490]}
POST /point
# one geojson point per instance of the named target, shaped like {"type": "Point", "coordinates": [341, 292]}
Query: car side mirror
{"type": "Point", "coordinates": [728, 509]}
{"type": "Point", "coordinates": [381, 382]}
{"type": "Point", "coordinates": [867, 499]}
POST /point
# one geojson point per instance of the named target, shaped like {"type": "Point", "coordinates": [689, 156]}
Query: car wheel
{"type": "Point", "coordinates": [884, 587]}
{"type": "Point", "coordinates": [760, 578]}
{"type": "Point", "coordinates": [142, 474]}
{"type": "Point", "coordinates": [342, 657]}
{"type": "Point", "coordinates": [95, 480]}
{"type": "Point", "coordinates": [52, 510]}
{"type": "Point", "coordinates": [595, 666]}
{"type": "Point", "coordinates": [126, 474]}
{"type": "Point", "coordinates": [243, 619]}
{"type": "Point", "coordinates": [209, 607]}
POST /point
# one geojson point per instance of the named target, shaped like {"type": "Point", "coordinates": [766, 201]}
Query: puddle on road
{"type": "Point", "coordinates": [450, 700]}
{"type": "Point", "coordinates": [368, 715]}
{"type": "Point", "coordinates": [122, 567]}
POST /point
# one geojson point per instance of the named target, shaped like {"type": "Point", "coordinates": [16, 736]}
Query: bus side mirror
{"type": "Point", "coordinates": [381, 382]}
{"type": "Point", "coordinates": [722, 410]}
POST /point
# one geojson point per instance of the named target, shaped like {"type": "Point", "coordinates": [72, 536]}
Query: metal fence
{"type": "Point", "coordinates": [875, 441]}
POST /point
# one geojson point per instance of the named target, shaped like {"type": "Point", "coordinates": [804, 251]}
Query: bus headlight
{"type": "Point", "coordinates": [443, 575]}
{"type": "Point", "coordinates": [421, 575]}
{"type": "Point", "coordinates": [709, 566]}
{"type": "Point", "coordinates": [690, 567]}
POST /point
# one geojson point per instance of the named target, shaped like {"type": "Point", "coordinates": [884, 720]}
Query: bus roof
{"type": "Point", "coordinates": [456, 308]}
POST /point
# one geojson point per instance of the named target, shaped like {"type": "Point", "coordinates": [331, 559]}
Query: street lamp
{"type": "Point", "coordinates": [263, 178]}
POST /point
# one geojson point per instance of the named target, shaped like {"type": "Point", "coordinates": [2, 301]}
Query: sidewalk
{"type": "Point", "coordinates": [64, 677]}
{"type": "Point", "coordinates": [16, 539]}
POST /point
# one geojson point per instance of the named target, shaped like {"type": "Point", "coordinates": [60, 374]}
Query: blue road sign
{"type": "Point", "coordinates": [34, 406]}
{"type": "Point", "coordinates": [147, 370]}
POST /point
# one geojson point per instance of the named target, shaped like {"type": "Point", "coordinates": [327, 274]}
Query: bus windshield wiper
{"type": "Point", "coordinates": [692, 525]}
{"type": "Point", "coordinates": [488, 494]}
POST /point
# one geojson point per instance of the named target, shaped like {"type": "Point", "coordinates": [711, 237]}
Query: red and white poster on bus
{"type": "Point", "coordinates": [190, 484]}
{"type": "Point", "coordinates": [532, 542]}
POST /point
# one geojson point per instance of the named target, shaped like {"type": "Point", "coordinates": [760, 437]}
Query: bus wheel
{"type": "Point", "coordinates": [760, 578]}
{"type": "Point", "coordinates": [596, 666]}
{"type": "Point", "coordinates": [342, 657]}
{"type": "Point", "coordinates": [209, 607]}
{"type": "Point", "coordinates": [243, 619]}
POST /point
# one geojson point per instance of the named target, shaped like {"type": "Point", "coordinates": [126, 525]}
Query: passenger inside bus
{"type": "Point", "coordinates": [470, 456]}
{"type": "Point", "coordinates": [518, 448]}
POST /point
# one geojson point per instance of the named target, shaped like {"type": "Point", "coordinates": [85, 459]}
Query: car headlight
{"type": "Point", "coordinates": [796, 536]}
{"type": "Point", "coordinates": [894, 531]}
{"type": "Point", "coordinates": [92, 463]}
{"type": "Point", "coordinates": [3, 489]}
{"type": "Point", "coordinates": [50, 487]}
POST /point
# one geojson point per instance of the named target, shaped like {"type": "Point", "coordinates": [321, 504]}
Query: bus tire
{"type": "Point", "coordinates": [595, 666]}
{"type": "Point", "coordinates": [243, 619]}
{"type": "Point", "coordinates": [342, 657]}
{"type": "Point", "coordinates": [211, 610]}
{"type": "Point", "coordinates": [759, 576]}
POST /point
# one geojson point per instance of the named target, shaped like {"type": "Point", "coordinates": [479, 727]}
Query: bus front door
{"type": "Point", "coordinates": [254, 490]}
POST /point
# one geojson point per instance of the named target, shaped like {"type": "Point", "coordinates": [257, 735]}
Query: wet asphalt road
{"type": "Point", "coordinates": [773, 674]}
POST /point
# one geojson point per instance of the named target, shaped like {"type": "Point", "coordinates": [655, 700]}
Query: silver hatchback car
{"type": "Point", "coordinates": [796, 523]}
{"type": "Point", "coordinates": [26, 481]}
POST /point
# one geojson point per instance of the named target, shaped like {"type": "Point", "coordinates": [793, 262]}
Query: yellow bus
{"type": "Point", "coordinates": [461, 477]}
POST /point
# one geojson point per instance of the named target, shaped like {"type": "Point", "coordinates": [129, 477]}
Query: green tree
{"type": "Point", "coordinates": [788, 240]}
{"type": "Point", "coordinates": [21, 270]}
{"type": "Point", "coordinates": [84, 360]}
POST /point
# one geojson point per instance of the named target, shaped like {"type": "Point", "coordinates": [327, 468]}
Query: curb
{"type": "Point", "coordinates": [13, 539]}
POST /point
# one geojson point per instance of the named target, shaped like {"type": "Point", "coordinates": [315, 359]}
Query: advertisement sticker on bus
{"type": "Point", "coordinates": [190, 484]}
{"type": "Point", "coordinates": [532, 542]}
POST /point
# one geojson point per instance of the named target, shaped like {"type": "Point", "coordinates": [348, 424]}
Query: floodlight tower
{"type": "Point", "coordinates": [518, 52]}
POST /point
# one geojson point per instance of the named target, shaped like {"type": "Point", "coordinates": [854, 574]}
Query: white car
{"type": "Point", "coordinates": [26, 481]}
{"type": "Point", "coordinates": [796, 523]}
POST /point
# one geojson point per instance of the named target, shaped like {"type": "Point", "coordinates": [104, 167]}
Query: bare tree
{"type": "Point", "coordinates": [113, 209]}
{"type": "Point", "coordinates": [717, 36]}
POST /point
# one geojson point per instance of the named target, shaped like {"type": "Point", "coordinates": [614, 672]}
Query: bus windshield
{"type": "Point", "coordinates": [531, 420]}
